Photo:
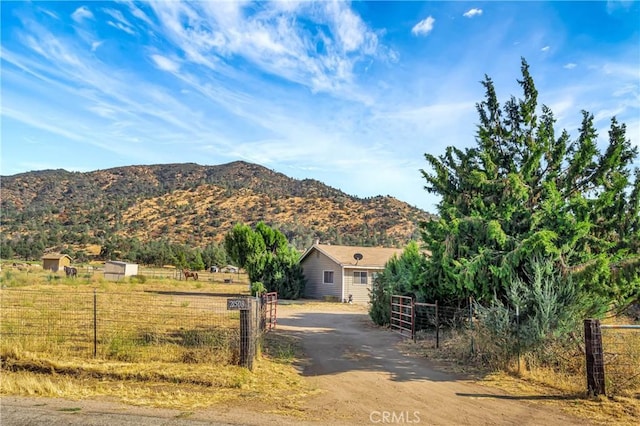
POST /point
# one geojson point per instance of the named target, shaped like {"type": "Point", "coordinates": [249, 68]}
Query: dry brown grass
{"type": "Point", "coordinates": [563, 386]}
{"type": "Point", "coordinates": [169, 385]}
{"type": "Point", "coordinates": [193, 378]}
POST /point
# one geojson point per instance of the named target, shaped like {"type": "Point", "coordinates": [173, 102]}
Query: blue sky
{"type": "Point", "coordinates": [351, 94]}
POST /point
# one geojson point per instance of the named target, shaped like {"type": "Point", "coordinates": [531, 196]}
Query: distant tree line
{"type": "Point", "coordinates": [153, 253]}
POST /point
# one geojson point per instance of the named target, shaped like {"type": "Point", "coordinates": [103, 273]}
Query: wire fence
{"type": "Point", "coordinates": [172, 273]}
{"type": "Point", "coordinates": [437, 326]}
{"type": "Point", "coordinates": [168, 326]}
{"type": "Point", "coordinates": [621, 356]}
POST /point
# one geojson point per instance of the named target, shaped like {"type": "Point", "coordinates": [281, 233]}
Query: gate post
{"type": "Point", "coordinates": [594, 357]}
{"type": "Point", "coordinates": [246, 337]}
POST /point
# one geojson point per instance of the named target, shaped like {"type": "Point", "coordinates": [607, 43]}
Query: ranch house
{"type": "Point", "coordinates": [115, 270]}
{"type": "Point", "coordinates": [335, 272]}
{"type": "Point", "coordinates": [55, 261]}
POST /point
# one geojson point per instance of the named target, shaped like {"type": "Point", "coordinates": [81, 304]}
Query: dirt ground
{"type": "Point", "coordinates": [361, 375]}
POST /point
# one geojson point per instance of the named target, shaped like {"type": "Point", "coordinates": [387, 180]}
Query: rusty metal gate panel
{"type": "Point", "coordinates": [269, 311]}
{"type": "Point", "coordinates": [402, 315]}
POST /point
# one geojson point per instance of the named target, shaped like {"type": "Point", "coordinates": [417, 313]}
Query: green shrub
{"type": "Point", "coordinates": [544, 312]}
{"type": "Point", "coordinates": [137, 279]}
{"type": "Point", "coordinates": [257, 288]}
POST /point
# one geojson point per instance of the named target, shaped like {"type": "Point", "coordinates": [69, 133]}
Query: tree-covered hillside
{"type": "Point", "coordinates": [132, 208]}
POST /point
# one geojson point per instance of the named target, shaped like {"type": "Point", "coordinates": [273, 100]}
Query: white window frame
{"type": "Point", "coordinates": [324, 277]}
{"type": "Point", "coordinates": [358, 275]}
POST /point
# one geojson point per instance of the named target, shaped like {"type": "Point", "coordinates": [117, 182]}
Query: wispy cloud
{"type": "Point", "coordinates": [423, 27]}
{"type": "Point", "coordinates": [545, 48]}
{"type": "Point", "coordinates": [472, 12]}
{"type": "Point", "coordinates": [165, 63]}
{"type": "Point", "coordinates": [121, 22]}
{"type": "Point", "coordinates": [122, 27]}
{"type": "Point", "coordinates": [569, 65]}
{"type": "Point", "coordinates": [96, 44]}
{"type": "Point", "coordinates": [49, 13]}
{"type": "Point", "coordinates": [81, 14]}
{"type": "Point", "coordinates": [619, 5]}
{"type": "Point", "coordinates": [321, 56]}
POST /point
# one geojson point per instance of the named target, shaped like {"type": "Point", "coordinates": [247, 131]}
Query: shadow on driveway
{"type": "Point", "coordinates": [334, 343]}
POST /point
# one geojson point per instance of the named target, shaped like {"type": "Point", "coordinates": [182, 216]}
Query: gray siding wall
{"type": "Point", "coordinates": [314, 266]}
{"type": "Point", "coordinates": [360, 292]}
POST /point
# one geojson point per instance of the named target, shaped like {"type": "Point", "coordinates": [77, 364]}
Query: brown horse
{"type": "Point", "coordinates": [71, 272]}
{"type": "Point", "coordinates": [187, 273]}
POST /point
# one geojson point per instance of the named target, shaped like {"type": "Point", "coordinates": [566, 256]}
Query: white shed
{"type": "Point", "coordinates": [115, 270]}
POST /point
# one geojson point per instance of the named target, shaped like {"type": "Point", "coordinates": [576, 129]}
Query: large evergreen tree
{"type": "Point", "coordinates": [525, 192]}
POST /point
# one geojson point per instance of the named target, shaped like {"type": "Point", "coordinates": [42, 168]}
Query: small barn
{"type": "Point", "coordinates": [55, 262]}
{"type": "Point", "coordinates": [115, 270]}
{"type": "Point", "coordinates": [339, 271]}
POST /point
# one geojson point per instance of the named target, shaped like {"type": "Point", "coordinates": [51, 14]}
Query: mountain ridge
{"type": "Point", "coordinates": [196, 205]}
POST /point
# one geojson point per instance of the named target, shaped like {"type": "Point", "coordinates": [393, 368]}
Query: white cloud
{"type": "Point", "coordinates": [81, 13]}
{"type": "Point", "coordinates": [95, 45]}
{"type": "Point", "coordinates": [352, 33]}
{"type": "Point", "coordinates": [569, 66]}
{"type": "Point", "coordinates": [423, 27]}
{"type": "Point", "coordinates": [472, 12]}
{"type": "Point", "coordinates": [546, 48]}
{"type": "Point", "coordinates": [321, 57]}
{"type": "Point", "coordinates": [50, 13]}
{"type": "Point", "coordinates": [121, 22]}
{"type": "Point", "coordinates": [122, 27]}
{"type": "Point", "coordinates": [165, 63]}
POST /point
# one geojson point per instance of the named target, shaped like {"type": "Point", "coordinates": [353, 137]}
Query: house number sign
{"type": "Point", "coordinates": [237, 304]}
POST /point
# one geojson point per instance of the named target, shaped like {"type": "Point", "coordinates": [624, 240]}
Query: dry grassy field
{"type": "Point", "coordinates": [151, 334]}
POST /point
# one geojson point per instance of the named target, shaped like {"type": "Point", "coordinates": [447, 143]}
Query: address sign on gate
{"type": "Point", "coordinates": [237, 304]}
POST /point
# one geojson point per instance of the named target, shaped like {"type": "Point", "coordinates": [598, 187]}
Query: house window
{"type": "Point", "coordinates": [328, 277]}
{"type": "Point", "coordinates": [360, 277]}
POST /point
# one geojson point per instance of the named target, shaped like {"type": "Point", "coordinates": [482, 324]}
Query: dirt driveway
{"type": "Point", "coordinates": [367, 380]}
{"type": "Point", "coordinates": [362, 378]}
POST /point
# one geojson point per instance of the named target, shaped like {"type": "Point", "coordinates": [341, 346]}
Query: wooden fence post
{"type": "Point", "coordinates": [594, 357]}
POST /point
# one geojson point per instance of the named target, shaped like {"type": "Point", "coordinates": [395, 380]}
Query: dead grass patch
{"type": "Point", "coordinates": [561, 389]}
{"type": "Point", "coordinates": [273, 383]}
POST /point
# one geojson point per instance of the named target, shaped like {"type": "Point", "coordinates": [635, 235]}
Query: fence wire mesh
{"type": "Point", "coordinates": [434, 324]}
{"type": "Point", "coordinates": [621, 353]}
{"type": "Point", "coordinates": [126, 326]}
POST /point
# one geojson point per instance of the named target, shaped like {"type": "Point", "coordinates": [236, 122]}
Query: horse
{"type": "Point", "coordinates": [187, 273]}
{"type": "Point", "coordinates": [71, 272]}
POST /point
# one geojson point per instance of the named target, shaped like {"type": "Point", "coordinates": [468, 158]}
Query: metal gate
{"type": "Point", "coordinates": [269, 311]}
{"type": "Point", "coordinates": [402, 315]}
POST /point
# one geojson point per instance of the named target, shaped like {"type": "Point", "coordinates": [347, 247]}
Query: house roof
{"type": "Point", "coordinates": [372, 257]}
{"type": "Point", "coordinates": [54, 256]}
{"type": "Point", "coordinates": [119, 262]}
